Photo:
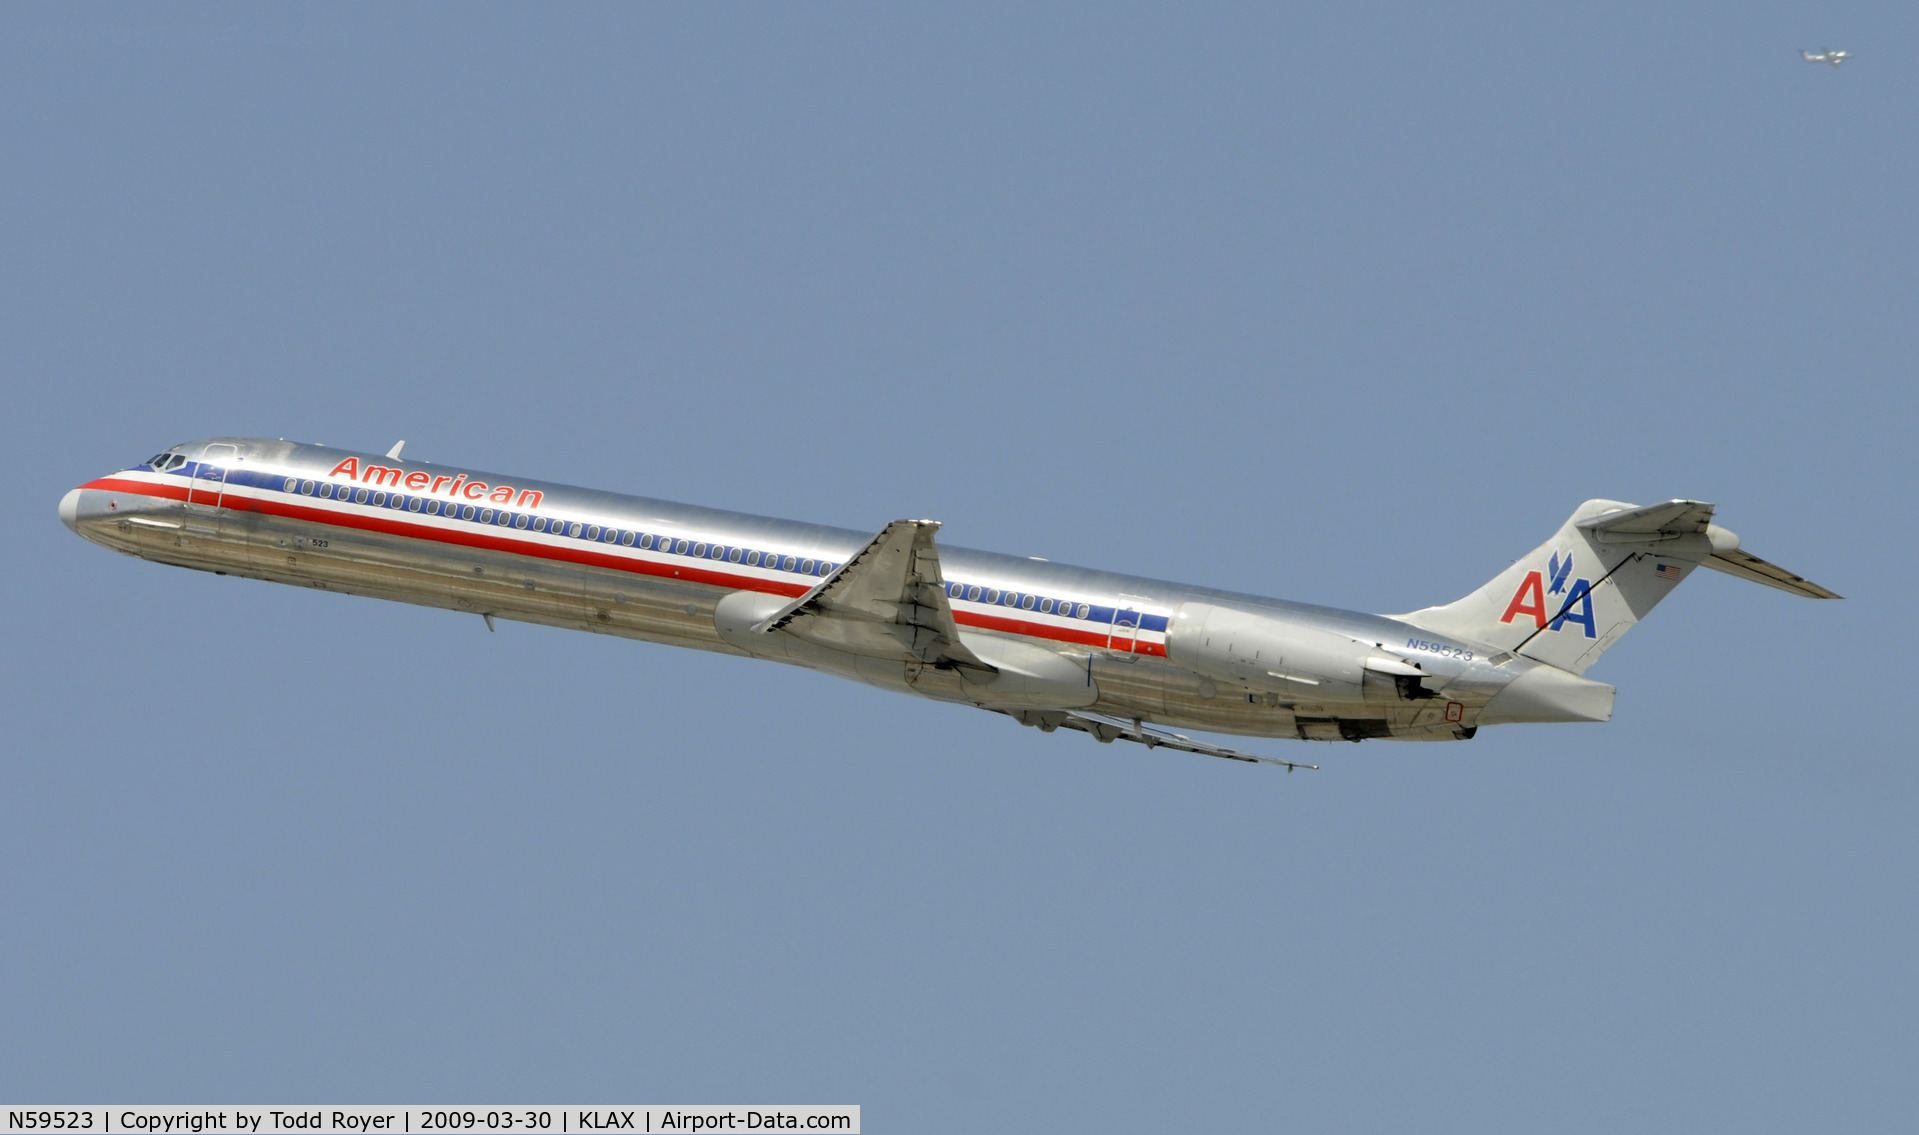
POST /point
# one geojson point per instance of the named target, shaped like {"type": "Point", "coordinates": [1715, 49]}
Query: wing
{"type": "Point", "coordinates": [1107, 730]}
{"type": "Point", "coordinates": [888, 601]}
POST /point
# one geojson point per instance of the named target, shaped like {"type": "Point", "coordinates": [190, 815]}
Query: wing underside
{"type": "Point", "coordinates": [888, 601]}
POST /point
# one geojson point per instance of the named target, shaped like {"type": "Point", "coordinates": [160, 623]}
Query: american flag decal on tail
{"type": "Point", "coordinates": [1667, 571]}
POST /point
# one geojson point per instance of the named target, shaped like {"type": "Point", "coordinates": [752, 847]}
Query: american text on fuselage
{"type": "Point", "coordinates": [1046, 643]}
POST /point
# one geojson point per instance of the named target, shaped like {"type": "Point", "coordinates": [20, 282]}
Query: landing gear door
{"type": "Point", "coordinates": [209, 481]}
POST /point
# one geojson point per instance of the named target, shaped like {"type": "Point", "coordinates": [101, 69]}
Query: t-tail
{"type": "Point", "coordinates": [1606, 568]}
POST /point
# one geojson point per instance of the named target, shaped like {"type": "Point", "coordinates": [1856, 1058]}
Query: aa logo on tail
{"type": "Point", "coordinates": [1530, 599]}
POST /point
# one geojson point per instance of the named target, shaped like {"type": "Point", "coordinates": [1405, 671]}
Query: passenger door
{"type": "Point", "coordinates": [1124, 633]}
{"type": "Point", "coordinates": [209, 481]}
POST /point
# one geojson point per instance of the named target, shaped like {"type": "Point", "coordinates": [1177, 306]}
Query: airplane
{"type": "Point", "coordinates": [1825, 55]}
{"type": "Point", "coordinates": [1050, 645]}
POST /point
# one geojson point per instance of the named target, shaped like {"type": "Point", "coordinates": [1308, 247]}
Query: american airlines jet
{"type": "Point", "coordinates": [1051, 646]}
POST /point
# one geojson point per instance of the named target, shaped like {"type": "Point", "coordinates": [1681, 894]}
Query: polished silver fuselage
{"type": "Point", "coordinates": [517, 549]}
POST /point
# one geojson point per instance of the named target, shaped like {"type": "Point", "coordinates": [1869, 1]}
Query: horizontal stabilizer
{"type": "Point", "coordinates": [1745, 565]}
{"type": "Point", "coordinates": [1572, 597]}
{"type": "Point", "coordinates": [1651, 523]}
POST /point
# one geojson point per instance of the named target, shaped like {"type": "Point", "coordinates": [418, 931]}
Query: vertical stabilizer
{"type": "Point", "coordinates": [1571, 598]}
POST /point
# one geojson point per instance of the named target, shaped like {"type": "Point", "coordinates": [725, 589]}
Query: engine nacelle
{"type": "Point", "coordinates": [1260, 652]}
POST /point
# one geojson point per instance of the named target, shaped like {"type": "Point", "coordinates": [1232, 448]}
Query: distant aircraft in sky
{"type": "Point", "coordinates": [1825, 55]}
{"type": "Point", "coordinates": [1051, 646]}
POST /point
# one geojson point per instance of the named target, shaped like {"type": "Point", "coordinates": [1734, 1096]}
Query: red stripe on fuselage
{"type": "Point", "coordinates": [408, 529]}
{"type": "Point", "coordinates": [138, 488]}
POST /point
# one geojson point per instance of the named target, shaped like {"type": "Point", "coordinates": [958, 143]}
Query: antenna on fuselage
{"type": "Point", "coordinates": [394, 453]}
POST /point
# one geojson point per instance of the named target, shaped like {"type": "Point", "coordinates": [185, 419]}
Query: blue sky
{"type": "Point", "coordinates": [1350, 304]}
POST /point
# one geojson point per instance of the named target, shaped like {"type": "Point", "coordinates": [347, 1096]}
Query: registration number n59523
{"type": "Point", "coordinates": [1444, 650]}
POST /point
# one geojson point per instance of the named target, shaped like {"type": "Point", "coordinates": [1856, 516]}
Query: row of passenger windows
{"type": "Point", "coordinates": [505, 518]}
{"type": "Point", "coordinates": [974, 593]}
{"type": "Point", "coordinates": [646, 541]}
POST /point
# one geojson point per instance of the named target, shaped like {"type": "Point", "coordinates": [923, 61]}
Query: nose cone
{"type": "Point", "coordinates": [70, 510]}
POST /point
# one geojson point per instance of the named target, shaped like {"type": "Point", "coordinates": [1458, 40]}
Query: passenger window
{"type": "Point", "coordinates": [521, 521]}
{"type": "Point", "coordinates": [646, 540]}
{"type": "Point", "coordinates": [789, 563]}
{"type": "Point", "coordinates": [401, 502]}
{"type": "Point", "coordinates": [433, 508]}
{"type": "Point", "coordinates": [680, 548]}
{"type": "Point", "coordinates": [506, 518]}
{"type": "Point", "coordinates": [415, 505]}
{"type": "Point", "coordinates": [626, 539]}
{"type": "Point", "coordinates": [292, 484]}
{"type": "Point", "coordinates": [326, 491]}
{"type": "Point", "coordinates": [992, 595]}
{"type": "Point", "coordinates": [486, 516]}
{"type": "Point", "coordinates": [575, 528]}
{"type": "Point", "coordinates": [972, 594]}
{"type": "Point", "coordinates": [593, 532]}
{"type": "Point", "coordinates": [735, 555]}
{"type": "Point", "coordinates": [1046, 606]}
{"type": "Point", "coordinates": [752, 559]}
{"type": "Point", "coordinates": [306, 487]}
{"type": "Point", "coordinates": [379, 500]}
{"type": "Point", "coordinates": [1027, 602]}
{"type": "Point", "coordinates": [1085, 610]}
{"type": "Point", "coordinates": [806, 567]}
{"type": "Point", "coordinates": [468, 513]}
